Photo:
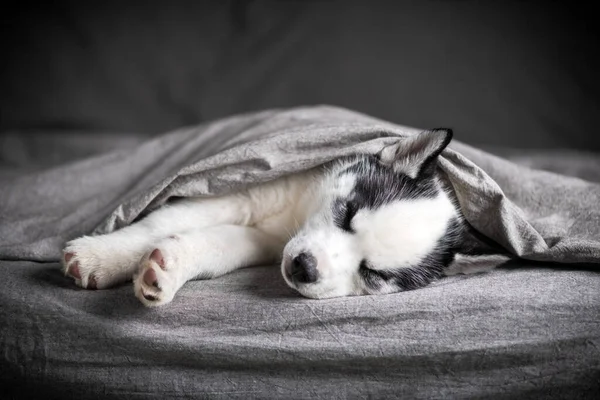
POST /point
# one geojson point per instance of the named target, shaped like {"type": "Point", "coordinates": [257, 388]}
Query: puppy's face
{"type": "Point", "coordinates": [379, 225]}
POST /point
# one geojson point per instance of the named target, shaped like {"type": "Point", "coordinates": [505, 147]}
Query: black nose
{"type": "Point", "coordinates": [304, 268]}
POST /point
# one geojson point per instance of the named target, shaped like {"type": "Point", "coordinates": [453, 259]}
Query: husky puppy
{"type": "Point", "coordinates": [369, 224]}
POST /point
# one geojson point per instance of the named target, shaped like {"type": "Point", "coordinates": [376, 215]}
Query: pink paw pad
{"type": "Point", "coordinates": [157, 257]}
{"type": "Point", "coordinates": [74, 270]}
{"type": "Point", "coordinates": [150, 278]}
{"type": "Point", "coordinates": [68, 257]}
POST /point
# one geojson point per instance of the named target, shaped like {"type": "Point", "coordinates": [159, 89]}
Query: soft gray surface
{"type": "Point", "coordinates": [525, 330]}
{"type": "Point", "coordinates": [519, 333]}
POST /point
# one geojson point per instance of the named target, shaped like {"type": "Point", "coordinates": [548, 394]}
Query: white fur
{"type": "Point", "coordinates": [208, 237]}
{"type": "Point", "coordinates": [396, 235]}
{"type": "Point", "coordinates": [197, 237]}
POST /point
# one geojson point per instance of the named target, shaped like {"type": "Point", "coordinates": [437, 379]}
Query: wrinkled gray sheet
{"type": "Point", "coordinates": [532, 214]}
{"type": "Point", "coordinates": [530, 329]}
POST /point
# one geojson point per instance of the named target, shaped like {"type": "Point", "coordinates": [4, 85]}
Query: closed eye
{"type": "Point", "coordinates": [343, 213]}
{"type": "Point", "coordinates": [372, 277]}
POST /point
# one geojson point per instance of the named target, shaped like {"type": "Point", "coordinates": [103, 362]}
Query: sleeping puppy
{"type": "Point", "coordinates": [369, 224]}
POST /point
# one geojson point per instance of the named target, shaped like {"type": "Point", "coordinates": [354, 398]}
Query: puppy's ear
{"type": "Point", "coordinates": [416, 155]}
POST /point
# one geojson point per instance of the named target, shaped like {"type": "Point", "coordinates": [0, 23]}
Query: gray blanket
{"type": "Point", "coordinates": [525, 331]}
{"type": "Point", "coordinates": [532, 214]}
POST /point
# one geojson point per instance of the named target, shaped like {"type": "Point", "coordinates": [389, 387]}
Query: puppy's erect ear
{"type": "Point", "coordinates": [416, 155]}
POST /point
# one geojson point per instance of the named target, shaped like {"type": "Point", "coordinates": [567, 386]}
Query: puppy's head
{"type": "Point", "coordinates": [379, 224]}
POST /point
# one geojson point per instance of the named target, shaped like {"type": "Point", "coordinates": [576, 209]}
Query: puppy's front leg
{"type": "Point", "coordinates": [98, 262]}
{"type": "Point", "coordinates": [204, 253]}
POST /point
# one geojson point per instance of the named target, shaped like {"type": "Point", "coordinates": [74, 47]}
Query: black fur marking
{"type": "Point", "coordinates": [420, 275]}
{"type": "Point", "coordinates": [429, 165]}
{"type": "Point", "coordinates": [343, 212]}
{"type": "Point", "coordinates": [377, 185]}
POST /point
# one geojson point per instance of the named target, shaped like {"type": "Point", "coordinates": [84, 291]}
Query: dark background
{"type": "Point", "coordinates": [518, 74]}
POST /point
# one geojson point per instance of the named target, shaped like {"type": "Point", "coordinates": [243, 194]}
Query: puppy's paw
{"type": "Point", "coordinates": [95, 262]}
{"type": "Point", "coordinates": [160, 273]}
